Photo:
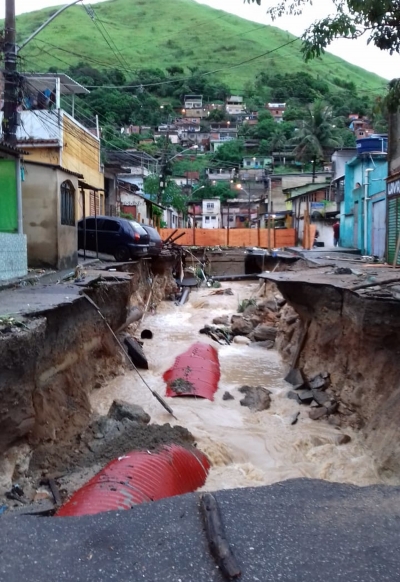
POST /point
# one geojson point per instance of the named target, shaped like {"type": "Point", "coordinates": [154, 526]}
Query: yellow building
{"type": "Point", "coordinates": [63, 179]}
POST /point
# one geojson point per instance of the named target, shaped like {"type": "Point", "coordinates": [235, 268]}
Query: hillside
{"type": "Point", "coordinates": [131, 34]}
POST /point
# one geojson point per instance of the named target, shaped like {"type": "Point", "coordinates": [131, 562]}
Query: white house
{"type": "Point", "coordinates": [212, 213]}
{"type": "Point", "coordinates": [235, 105]}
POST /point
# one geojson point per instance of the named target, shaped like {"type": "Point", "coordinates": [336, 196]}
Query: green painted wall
{"type": "Point", "coordinates": [8, 196]}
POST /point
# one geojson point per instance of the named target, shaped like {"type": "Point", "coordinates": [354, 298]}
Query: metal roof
{"type": "Point", "coordinates": [306, 189]}
{"type": "Point", "coordinates": [43, 81]}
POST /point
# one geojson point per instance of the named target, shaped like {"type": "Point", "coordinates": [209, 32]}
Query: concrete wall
{"type": "Point", "coordinates": [49, 243]}
{"type": "Point", "coordinates": [81, 152]}
{"type": "Point", "coordinates": [13, 256]}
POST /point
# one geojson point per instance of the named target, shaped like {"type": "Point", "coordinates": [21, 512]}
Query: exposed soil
{"type": "Point", "coordinates": [103, 441]}
{"type": "Point", "coordinates": [51, 364]}
{"type": "Point", "coordinates": [355, 339]}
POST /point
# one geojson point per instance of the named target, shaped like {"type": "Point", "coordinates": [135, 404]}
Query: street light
{"type": "Point", "coordinates": [195, 147]}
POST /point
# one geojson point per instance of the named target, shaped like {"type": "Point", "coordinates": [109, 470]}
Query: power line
{"type": "Point", "coordinates": [104, 33]}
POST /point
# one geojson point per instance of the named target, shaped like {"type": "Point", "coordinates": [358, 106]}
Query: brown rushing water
{"type": "Point", "coordinates": [245, 448]}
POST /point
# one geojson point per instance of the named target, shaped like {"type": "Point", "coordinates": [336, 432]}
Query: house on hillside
{"type": "Point", "coordinates": [13, 246]}
{"type": "Point", "coordinates": [63, 176]}
{"type": "Point", "coordinates": [211, 215]}
{"type": "Point", "coordinates": [361, 127]}
{"type": "Point", "coordinates": [277, 110]}
{"type": "Point", "coordinates": [220, 133]}
{"type": "Point", "coordinates": [363, 210]}
{"type": "Point", "coordinates": [235, 105]}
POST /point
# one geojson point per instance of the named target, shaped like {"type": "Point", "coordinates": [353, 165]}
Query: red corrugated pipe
{"type": "Point", "coordinates": [194, 373]}
{"type": "Point", "coordinates": [139, 477]}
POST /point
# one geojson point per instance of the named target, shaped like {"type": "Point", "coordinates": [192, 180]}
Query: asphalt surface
{"type": "Point", "coordinates": [300, 530]}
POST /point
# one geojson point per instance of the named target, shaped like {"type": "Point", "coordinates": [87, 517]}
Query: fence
{"type": "Point", "coordinates": [234, 237]}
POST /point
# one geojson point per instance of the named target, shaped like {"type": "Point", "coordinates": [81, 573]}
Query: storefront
{"type": "Point", "coordinates": [393, 217]}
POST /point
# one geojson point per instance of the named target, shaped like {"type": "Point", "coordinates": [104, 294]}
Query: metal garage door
{"type": "Point", "coordinates": [378, 228]}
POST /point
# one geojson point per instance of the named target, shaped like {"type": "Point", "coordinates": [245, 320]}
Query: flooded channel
{"type": "Point", "coordinates": [245, 448]}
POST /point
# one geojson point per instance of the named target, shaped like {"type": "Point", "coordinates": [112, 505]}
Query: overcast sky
{"type": "Point", "coordinates": [356, 52]}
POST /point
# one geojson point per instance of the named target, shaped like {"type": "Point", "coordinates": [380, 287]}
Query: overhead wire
{"type": "Point", "coordinates": [104, 33]}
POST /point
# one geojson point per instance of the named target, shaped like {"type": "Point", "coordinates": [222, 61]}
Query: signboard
{"type": "Point", "coordinates": [393, 188]}
{"type": "Point", "coordinates": [317, 207]}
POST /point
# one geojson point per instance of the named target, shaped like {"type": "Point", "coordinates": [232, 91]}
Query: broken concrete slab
{"type": "Point", "coordinates": [257, 398]}
{"type": "Point", "coordinates": [295, 378]}
{"type": "Point", "coordinates": [319, 382]}
{"type": "Point", "coordinates": [221, 320]}
{"type": "Point", "coordinates": [293, 396]}
{"type": "Point", "coordinates": [228, 396]}
{"type": "Point", "coordinates": [321, 398]}
{"type": "Point", "coordinates": [120, 410]}
{"type": "Point", "coordinates": [306, 396]}
{"type": "Point", "coordinates": [317, 413]}
{"type": "Point", "coordinates": [241, 326]}
{"type": "Point", "coordinates": [264, 333]}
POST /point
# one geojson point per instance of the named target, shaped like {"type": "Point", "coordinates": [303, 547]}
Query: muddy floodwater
{"type": "Point", "coordinates": [245, 448]}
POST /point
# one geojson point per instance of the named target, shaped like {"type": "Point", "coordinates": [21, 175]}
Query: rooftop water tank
{"type": "Point", "coordinates": [372, 144]}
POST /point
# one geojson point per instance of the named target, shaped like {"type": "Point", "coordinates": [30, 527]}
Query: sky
{"type": "Point", "coordinates": [356, 52]}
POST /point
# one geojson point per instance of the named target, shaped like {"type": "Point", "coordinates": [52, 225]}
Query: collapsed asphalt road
{"type": "Point", "coordinates": [296, 531]}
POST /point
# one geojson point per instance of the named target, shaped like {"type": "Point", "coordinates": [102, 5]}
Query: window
{"type": "Point", "coordinates": [213, 218]}
{"type": "Point", "coordinates": [67, 203]}
{"type": "Point", "coordinates": [210, 205]}
{"type": "Point", "coordinates": [110, 226]}
{"type": "Point", "coordinates": [207, 219]}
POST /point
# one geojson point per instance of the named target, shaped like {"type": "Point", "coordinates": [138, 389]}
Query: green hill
{"type": "Point", "coordinates": [133, 34]}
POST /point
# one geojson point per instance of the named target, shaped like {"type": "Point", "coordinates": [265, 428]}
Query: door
{"type": "Point", "coordinates": [109, 236]}
{"type": "Point", "coordinates": [355, 231]}
{"type": "Point", "coordinates": [379, 228]}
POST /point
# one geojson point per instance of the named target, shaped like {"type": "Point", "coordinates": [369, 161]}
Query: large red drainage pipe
{"type": "Point", "coordinates": [194, 373]}
{"type": "Point", "coordinates": [140, 477]}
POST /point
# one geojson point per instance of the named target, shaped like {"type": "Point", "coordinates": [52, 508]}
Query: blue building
{"type": "Point", "coordinates": [363, 211]}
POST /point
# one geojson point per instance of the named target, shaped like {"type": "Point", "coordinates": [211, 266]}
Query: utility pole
{"type": "Point", "coordinates": [10, 121]}
{"type": "Point", "coordinates": [163, 175]}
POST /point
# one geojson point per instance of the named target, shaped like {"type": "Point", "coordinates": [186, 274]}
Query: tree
{"type": "Point", "coordinates": [221, 190]}
{"type": "Point", "coordinates": [379, 19]}
{"type": "Point", "coordinates": [278, 141]}
{"type": "Point", "coordinates": [172, 195]}
{"type": "Point", "coordinates": [217, 115]}
{"type": "Point", "coordinates": [230, 153]}
{"type": "Point", "coordinates": [315, 134]}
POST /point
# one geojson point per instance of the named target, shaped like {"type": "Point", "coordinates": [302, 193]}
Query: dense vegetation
{"type": "Point", "coordinates": [132, 34]}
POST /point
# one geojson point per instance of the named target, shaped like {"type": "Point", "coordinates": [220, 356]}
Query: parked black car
{"type": "Point", "coordinates": [124, 239]}
{"type": "Point", "coordinates": [156, 243]}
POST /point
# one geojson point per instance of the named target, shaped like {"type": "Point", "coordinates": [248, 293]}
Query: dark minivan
{"type": "Point", "coordinates": [122, 238]}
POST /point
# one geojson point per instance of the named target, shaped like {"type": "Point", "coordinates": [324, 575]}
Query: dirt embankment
{"type": "Point", "coordinates": [49, 367]}
{"type": "Point", "coordinates": [356, 340]}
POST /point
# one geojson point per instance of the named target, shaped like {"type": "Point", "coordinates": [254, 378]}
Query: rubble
{"type": "Point", "coordinates": [257, 398]}
{"type": "Point", "coordinates": [120, 410]}
{"type": "Point", "coordinates": [264, 333]}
